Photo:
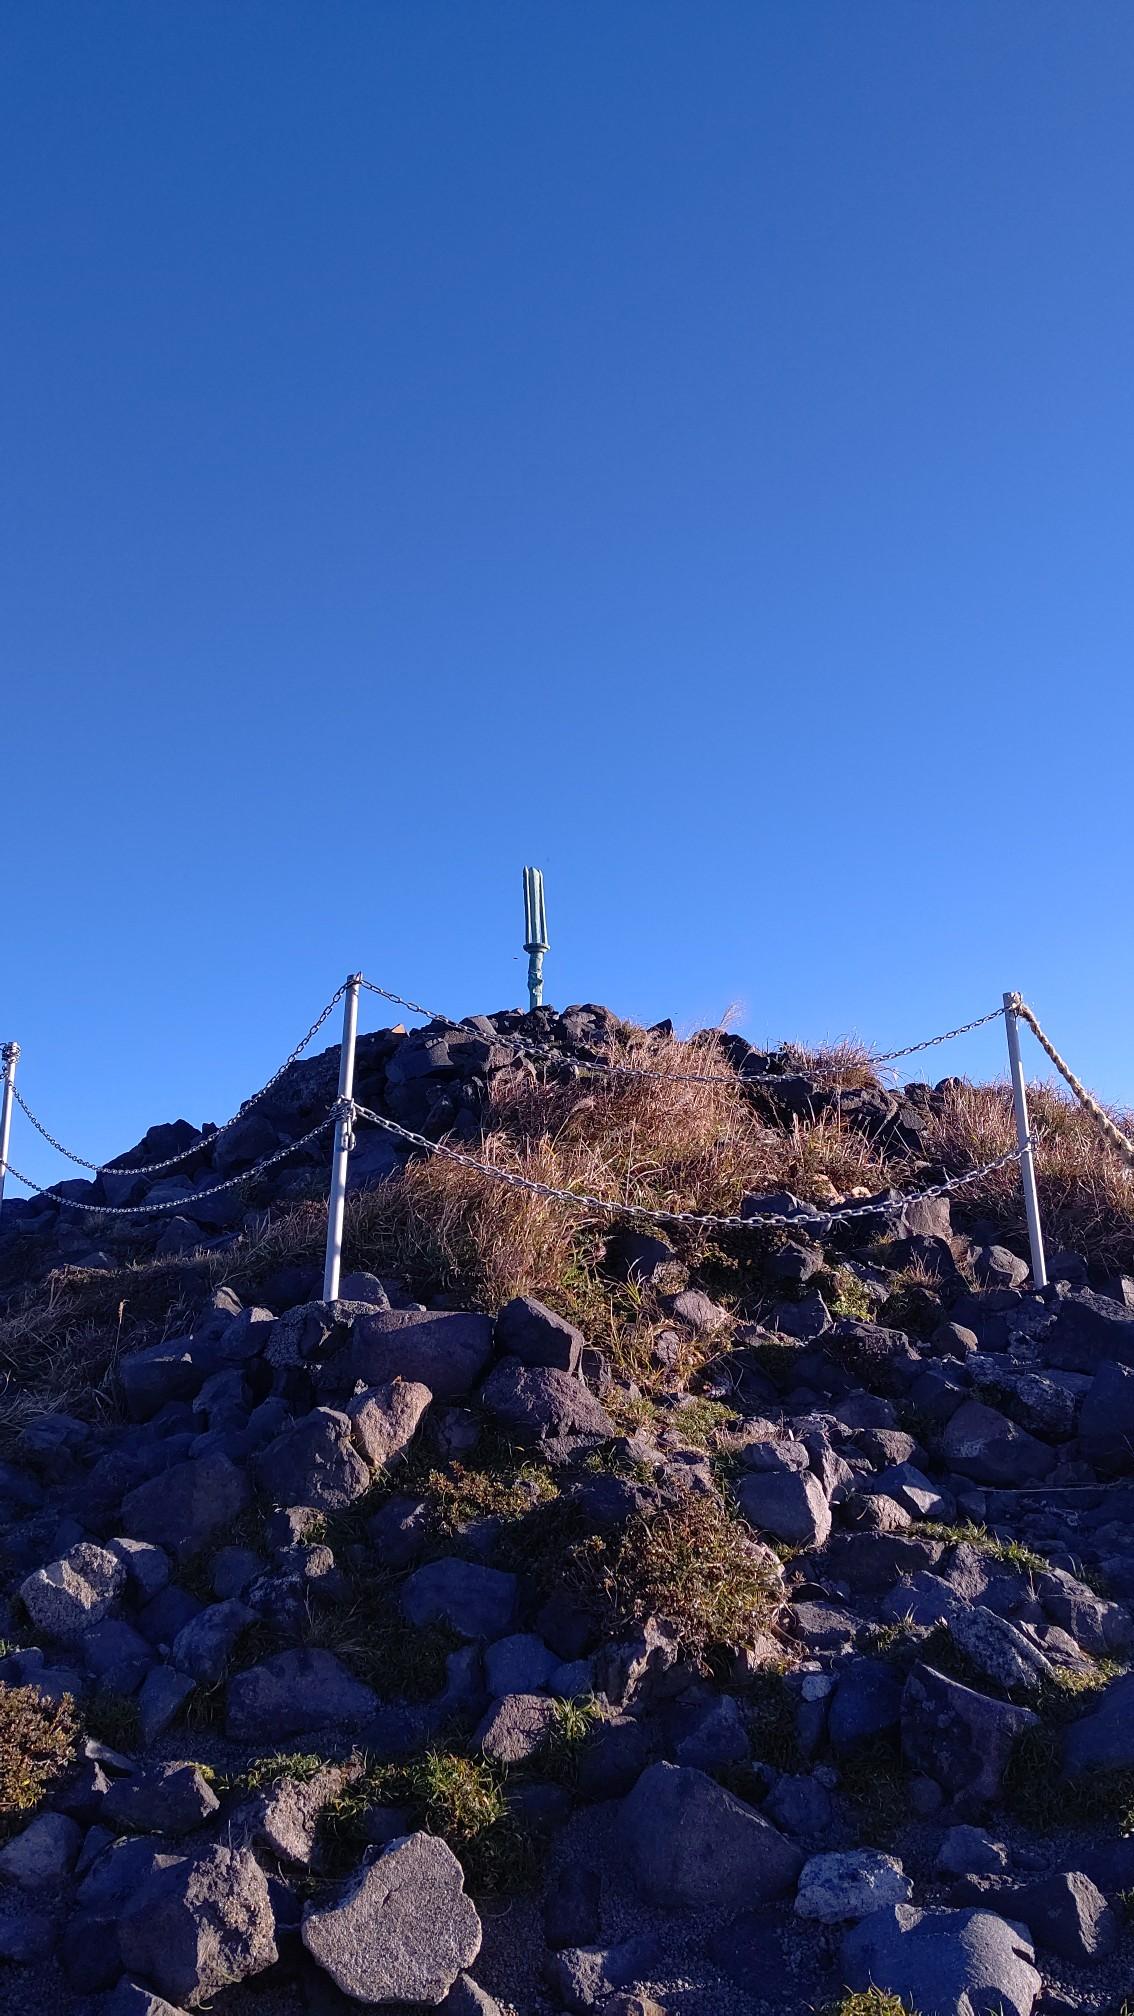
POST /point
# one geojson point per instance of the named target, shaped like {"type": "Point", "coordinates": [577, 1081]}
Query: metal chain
{"type": "Point", "coordinates": [206, 1140]}
{"type": "Point", "coordinates": [600, 1067]}
{"type": "Point", "coordinates": [583, 1201]}
{"type": "Point", "coordinates": [931, 1042]}
{"type": "Point", "coordinates": [191, 1197]}
{"type": "Point", "coordinates": [1101, 1118]}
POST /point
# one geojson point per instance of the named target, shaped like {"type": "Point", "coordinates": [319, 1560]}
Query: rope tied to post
{"type": "Point", "coordinates": [1111, 1133]}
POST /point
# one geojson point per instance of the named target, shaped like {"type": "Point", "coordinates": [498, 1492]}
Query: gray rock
{"type": "Point", "coordinates": [585, 1977]}
{"type": "Point", "coordinates": [314, 1462]}
{"type": "Point", "coordinates": [203, 1646]}
{"type": "Point", "coordinates": [539, 1403]}
{"type": "Point", "coordinates": [612, 1758]}
{"type": "Point", "coordinates": [943, 1963]}
{"type": "Point", "coordinates": [708, 1733]}
{"type": "Point", "coordinates": [71, 1594]}
{"type": "Point", "coordinates": [516, 1728]}
{"type": "Point", "coordinates": [199, 1924]}
{"type": "Point", "coordinates": [850, 1884]}
{"type": "Point", "coordinates": [790, 1504]}
{"type": "Point", "coordinates": [800, 1805]}
{"type": "Point", "coordinates": [699, 1312]}
{"type": "Point", "coordinates": [285, 1816]}
{"type": "Point", "coordinates": [163, 1695]}
{"type": "Point", "coordinates": [233, 1569]}
{"type": "Point", "coordinates": [293, 1692]}
{"type": "Point", "coordinates": [1106, 1419]}
{"type": "Point", "coordinates": [867, 1702]}
{"type": "Point", "coordinates": [129, 1998]}
{"type": "Point", "coordinates": [525, 1329]}
{"type": "Point", "coordinates": [958, 1737]}
{"type": "Point", "coordinates": [402, 1930]}
{"type": "Point", "coordinates": [169, 1799]}
{"type": "Point", "coordinates": [1103, 1740]}
{"type": "Point", "coordinates": [465, 1998]}
{"type": "Point", "coordinates": [969, 1851]}
{"type": "Point", "coordinates": [1000, 1649]}
{"type": "Point", "coordinates": [160, 1373]}
{"type": "Point", "coordinates": [444, 1350]}
{"type": "Point", "coordinates": [147, 1568]}
{"type": "Point", "coordinates": [984, 1445]}
{"type": "Point", "coordinates": [1099, 1626]}
{"type": "Point", "coordinates": [183, 1507]}
{"type": "Point", "coordinates": [475, 1602]}
{"type": "Point", "coordinates": [997, 1267]}
{"type": "Point", "coordinates": [43, 1854]}
{"type": "Point", "coordinates": [690, 1844]}
{"type": "Point", "coordinates": [912, 1490]}
{"type": "Point", "coordinates": [313, 1330]}
{"type": "Point", "coordinates": [520, 1664]}
{"type": "Point", "coordinates": [384, 1420]}
{"type": "Point", "coordinates": [1087, 1329]}
{"type": "Point", "coordinates": [1068, 1915]}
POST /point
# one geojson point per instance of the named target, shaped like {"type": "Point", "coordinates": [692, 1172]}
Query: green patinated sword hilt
{"type": "Point", "coordinates": [535, 934]}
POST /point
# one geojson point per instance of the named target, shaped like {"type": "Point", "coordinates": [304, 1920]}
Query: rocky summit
{"type": "Point", "coordinates": [584, 1612]}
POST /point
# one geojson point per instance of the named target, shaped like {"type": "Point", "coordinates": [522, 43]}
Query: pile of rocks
{"type": "Point", "coordinates": [934, 1514]}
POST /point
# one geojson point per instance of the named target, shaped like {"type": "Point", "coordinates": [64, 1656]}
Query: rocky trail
{"type": "Point", "coordinates": [731, 1625]}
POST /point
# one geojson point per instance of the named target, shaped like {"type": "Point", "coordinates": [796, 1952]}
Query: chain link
{"type": "Point", "coordinates": [206, 1140]}
{"type": "Point", "coordinates": [191, 1197]}
{"type": "Point", "coordinates": [583, 1201]}
{"type": "Point", "coordinates": [1117, 1139]}
{"type": "Point", "coordinates": [931, 1042]}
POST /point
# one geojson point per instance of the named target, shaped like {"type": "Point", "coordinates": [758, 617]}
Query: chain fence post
{"type": "Point", "coordinates": [340, 1154]}
{"type": "Point", "coordinates": [9, 1052]}
{"type": "Point", "coordinates": [1024, 1142]}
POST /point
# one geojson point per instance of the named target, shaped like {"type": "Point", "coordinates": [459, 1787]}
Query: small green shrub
{"type": "Point", "coordinates": [870, 2002]}
{"type": "Point", "coordinates": [38, 1742]}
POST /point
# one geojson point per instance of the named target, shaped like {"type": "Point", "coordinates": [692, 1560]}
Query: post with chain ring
{"type": "Point", "coordinates": [9, 1052]}
{"type": "Point", "coordinates": [340, 1155]}
{"type": "Point", "coordinates": [1024, 1143]}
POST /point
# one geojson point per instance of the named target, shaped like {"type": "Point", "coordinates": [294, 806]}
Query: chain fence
{"type": "Point", "coordinates": [545, 1054]}
{"type": "Point", "coordinates": [612, 1207]}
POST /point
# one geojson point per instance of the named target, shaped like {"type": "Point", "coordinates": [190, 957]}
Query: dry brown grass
{"type": "Point", "coordinates": [661, 1143]}
{"type": "Point", "coordinates": [1086, 1190]}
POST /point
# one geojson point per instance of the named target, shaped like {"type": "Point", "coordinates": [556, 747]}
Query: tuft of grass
{"type": "Point", "coordinates": [263, 1772]}
{"type": "Point", "coordinates": [694, 1565]}
{"type": "Point", "coordinates": [1086, 1192]}
{"type": "Point", "coordinates": [1014, 1553]}
{"type": "Point", "coordinates": [38, 1743]}
{"type": "Point", "coordinates": [844, 1294]}
{"type": "Point", "coordinates": [700, 1420]}
{"type": "Point", "coordinates": [870, 2002]}
{"type": "Point", "coordinates": [461, 1494]}
{"type": "Point", "coordinates": [114, 1720]}
{"type": "Point", "coordinates": [872, 1784]}
{"type": "Point", "coordinates": [460, 1798]}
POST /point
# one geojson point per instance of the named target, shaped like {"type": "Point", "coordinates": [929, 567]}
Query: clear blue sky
{"type": "Point", "coordinates": [688, 446]}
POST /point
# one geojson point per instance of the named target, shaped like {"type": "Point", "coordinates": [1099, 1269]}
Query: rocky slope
{"type": "Point", "coordinates": [747, 1629]}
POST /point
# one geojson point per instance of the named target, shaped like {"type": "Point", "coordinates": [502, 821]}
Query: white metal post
{"type": "Point", "coordinates": [1024, 1143]}
{"type": "Point", "coordinates": [10, 1052]}
{"type": "Point", "coordinates": [340, 1156]}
